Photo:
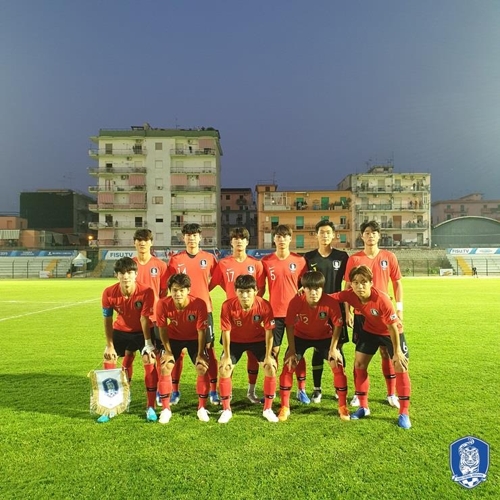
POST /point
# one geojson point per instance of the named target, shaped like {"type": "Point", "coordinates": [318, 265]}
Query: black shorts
{"type": "Point", "coordinates": [278, 332]}
{"type": "Point", "coordinates": [368, 343]}
{"type": "Point", "coordinates": [238, 348]}
{"type": "Point", "coordinates": [344, 335]}
{"type": "Point", "coordinates": [178, 345]}
{"type": "Point", "coordinates": [322, 346]}
{"type": "Point", "coordinates": [210, 329]}
{"type": "Point", "coordinates": [127, 341]}
{"type": "Point", "coordinates": [357, 326]}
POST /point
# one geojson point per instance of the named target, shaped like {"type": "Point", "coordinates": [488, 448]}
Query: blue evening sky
{"type": "Point", "coordinates": [304, 92]}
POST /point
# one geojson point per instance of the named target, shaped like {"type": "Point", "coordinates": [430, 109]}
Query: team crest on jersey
{"type": "Point", "coordinates": [138, 304]}
{"type": "Point", "coordinates": [251, 269]}
{"type": "Point", "coordinates": [394, 316]}
{"type": "Point", "coordinates": [191, 317]}
{"type": "Point", "coordinates": [322, 315]}
{"type": "Point", "coordinates": [203, 263]}
{"type": "Point", "coordinates": [257, 318]}
{"type": "Point", "coordinates": [469, 461]}
{"type": "Point", "coordinates": [154, 271]}
{"type": "Point", "coordinates": [293, 267]}
{"type": "Point", "coordinates": [373, 312]}
{"type": "Point", "coordinates": [384, 264]}
{"type": "Point", "coordinates": [336, 265]}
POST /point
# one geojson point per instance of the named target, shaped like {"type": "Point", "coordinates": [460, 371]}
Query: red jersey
{"type": "Point", "coordinates": [246, 326]}
{"type": "Point", "coordinates": [384, 266]}
{"type": "Point", "coordinates": [228, 269]}
{"type": "Point", "coordinates": [154, 275]}
{"type": "Point", "coordinates": [313, 322]}
{"type": "Point", "coordinates": [378, 311]}
{"type": "Point", "coordinates": [199, 268]}
{"type": "Point", "coordinates": [283, 279]}
{"type": "Point", "coordinates": [182, 324]}
{"type": "Point", "coordinates": [140, 303]}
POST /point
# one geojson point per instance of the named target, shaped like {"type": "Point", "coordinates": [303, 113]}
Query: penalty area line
{"type": "Point", "coordinates": [49, 309]}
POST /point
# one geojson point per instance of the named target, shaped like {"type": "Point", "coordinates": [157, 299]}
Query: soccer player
{"type": "Point", "coordinates": [132, 329]}
{"type": "Point", "coordinates": [182, 321]}
{"type": "Point", "coordinates": [151, 272]}
{"type": "Point", "coordinates": [246, 322]}
{"type": "Point", "coordinates": [309, 321]}
{"type": "Point", "coordinates": [283, 272]}
{"type": "Point", "coordinates": [199, 265]}
{"type": "Point", "coordinates": [385, 268]}
{"type": "Point", "coordinates": [225, 274]}
{"type": "Point", "coordinates": [332, 264]}
{"type": "Point", "coordinates": [382, 327]}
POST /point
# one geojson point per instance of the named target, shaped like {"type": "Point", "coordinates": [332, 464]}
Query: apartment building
{"type": "Point", "coordinates": [471, 205]}
{"type": "Point", "coordinates": [158, 179]}
{"type": "Point", "coordinates": [302, 210]}
{"type": "Point", "coordinates": [400, 202]}
{"type": "Point", "coordinates": [238, 210]}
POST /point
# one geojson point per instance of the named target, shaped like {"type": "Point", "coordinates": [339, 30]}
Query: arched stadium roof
{"type": "Point", "coordinates": [473, 231]}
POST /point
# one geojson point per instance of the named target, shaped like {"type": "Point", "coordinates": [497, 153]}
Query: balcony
{"type": "Point", "coordinates": [383, 207]}
{"type": "Point", "coordinates": [183, 207]}
{"type": "Point", "coordinates": [133, 151]}
{"type": "Point", "coordinates": [116, 189]}
{"type": "Point", "coordinates": [179, 225]}
{"type": "Point", "coordinates": [362, 189]}
{"type": "Point", "coordinates": [189, 151]}
{"type": "Point", "coordinates": [98, 207]}
{"type": "Point", "coordinates": [186, 169]}
{"type": "Point", "coordinates": [185, 188]}
{"type": "Point", "coordinates": [117, 170]}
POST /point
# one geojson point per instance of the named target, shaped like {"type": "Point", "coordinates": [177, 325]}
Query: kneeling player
{"type": "Point", "coordinates": [247, 322]}
{"type": "Point", "coordinates": [132, 329]}
{"type": "Point", "coordinates": [309, 321]}
{"type": "Point", "coordinates": [182, 321]}
{"type": "Point", "coordinates": [382, 327]}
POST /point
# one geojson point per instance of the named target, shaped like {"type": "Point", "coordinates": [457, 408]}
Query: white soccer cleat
{"type": "Point", "coordinates": [252, 397]}
{"type": "Point", "coordinates": [202, 414]}
{"type": "Point", "coordinates": [354, 401]}
{"type": "Point", "coordinates": [165, 416]}
{"type": "Point", "coordinates": [270, 416]}
{"type": "Point", "coordinates": [393, 401]}
{"type": "Point", "coordinates": [225, 417]}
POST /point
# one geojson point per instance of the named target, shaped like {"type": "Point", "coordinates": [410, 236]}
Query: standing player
{"type": "Point", "coordinates": [332, 264]}
{"type": "Point", "coordinates": [151, 272]}
{"type": "Point", "coordinates": [182, 321]}
{"type": "Point", "coordinates": [225, 274]}
{"type": "Point", "coordinates": [283, 272]}
{"type": "Point", "coordinates": [382, 327]}
{"type": "Point", "coordinates": [385, 268]}
{"type": "Point", "coordinates": [132, 329]}
{"type": "Point", "coordinates": [246, 322]}
{"type": "Point", "coordinates": [199, 265]}
{"type": "Point", "coordinates": [309, 321]}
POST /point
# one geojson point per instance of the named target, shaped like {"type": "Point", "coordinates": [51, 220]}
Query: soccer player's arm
{"type": "Point", "coordinates": [261, 279]}
{"type": "Point", "coordinates": [397, 286]}
{"type": "Point", "coordinates": [107, 312]}
{"type": "Point", "coordinates": [216, 279]}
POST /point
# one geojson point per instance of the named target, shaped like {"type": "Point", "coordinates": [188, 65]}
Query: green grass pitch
{"type": "Point", "coordinates": [51, 336]}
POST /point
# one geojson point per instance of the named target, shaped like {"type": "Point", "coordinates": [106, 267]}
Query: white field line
{"type": "Point", "coordinates": [72, 304]}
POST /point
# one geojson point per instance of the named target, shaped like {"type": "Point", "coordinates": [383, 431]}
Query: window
{"type": "Point", "coordinates": [299, 241]}
{"type": "Point", "coordinates": [299, 222]}
{"type": "Point", "coordinates": [228, 196]}
{"type": "Point", "coordinates": [109, 166]}
{"type": "Point", "coordinates": [343, 220]}
{"type": "Point", "coordinates": [159, 220]}
{"type": "Point", "coordinates": [325, 201]}
{"type": "Point", "coordinates": [158, 146]}
{"type": "Point", "coordinates": [228, 208]}
{"type": "Point", "coordinates": [108, 148]}
{"type": "Point", "coordinates": [343, 238]}
{"type": "Point", "coordinates": [274, 222]}
{"type": "Point", "coordinates": [138, 221]}
{"type": "Point", "coordinates": [158, 164]}
{"type": "Point", "coordinates": [157, 200]}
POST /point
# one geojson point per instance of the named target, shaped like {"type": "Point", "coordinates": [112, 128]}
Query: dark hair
{"type": "Point", "coordinates": [192, 228]}
{"type": "Point", "coordinates": [245, 282]}
{"type": "Point", "coordinates": [373, 224]}
{"type": "Point", "coordinates": [125, 264]}
{"type": "Point", "coordinates": [143, 235]}
{"type": "Point", "coordinates": [180, 279]}
{"type": "Point", "coordinates": [363, 271]}
{"type": "Point", "coordinates": [283, 230]}
{"type": "Point", "coordinates": [239, 232]}
{"type": "Point", "coordinates": [313, 279]}
{"type": "Point", "coordinates": [323, 223]}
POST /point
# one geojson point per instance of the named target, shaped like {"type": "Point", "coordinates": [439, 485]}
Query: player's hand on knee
{"type": "Point", "coordinates": [149, 349]}
{"type": "Point", "coordinates": [201, 365]}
